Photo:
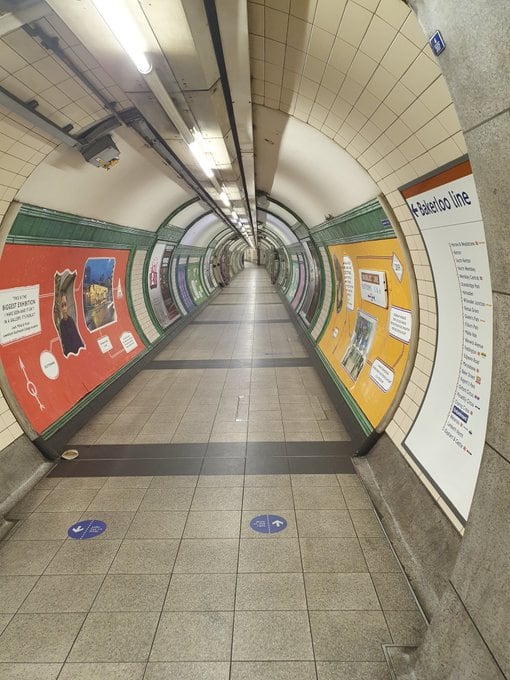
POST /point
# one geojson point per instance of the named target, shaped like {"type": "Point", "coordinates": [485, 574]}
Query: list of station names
{"type": "Point", "coordinates": [467, 417]}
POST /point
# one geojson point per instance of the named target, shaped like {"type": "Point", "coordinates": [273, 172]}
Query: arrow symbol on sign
{"type": "Point", "coordinates": [77, 530]}
{"type": "Point", "coordinates": [277, 523]}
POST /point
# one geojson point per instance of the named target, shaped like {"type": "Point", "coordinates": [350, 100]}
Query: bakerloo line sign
{"type": "Point", "coordinates": [448, 435]}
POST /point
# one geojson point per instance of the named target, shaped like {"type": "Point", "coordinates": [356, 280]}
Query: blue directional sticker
{"type": "Point", "coordinates": [437, 43]}
{"type": "Point", "coordinates": [87, 528]}
{"type": "Point", "coordinates": [268, 524]}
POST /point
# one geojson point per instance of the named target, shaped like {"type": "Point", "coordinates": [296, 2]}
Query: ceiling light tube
{"type": "Point", "coordinates": [202, 160]}
{"type": "Point", "coordinates": [124, 28]}
{"type": "Point", "coordinates": [234, 215]}
{"type": "Point", "coordinates": [225, 199]}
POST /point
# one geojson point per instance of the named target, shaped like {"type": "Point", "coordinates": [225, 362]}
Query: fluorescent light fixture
{"type": "Point", "coordinates": [234, 215]}
{"type": "Point", "coordinates": [201, 158]}
{"type": "Point", "coordinates": [124, 28]}
{"type": "Point", "coordinates": [225, 199]}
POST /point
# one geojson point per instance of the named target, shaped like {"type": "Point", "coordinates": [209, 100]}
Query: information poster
{"type": "Point", "coordinates": [159, 285]}
{"type": "Point", "coordinates": [367, 337]}
{"type": "Point", "coordinates": [64, 325]}
{"type": "Point", "coordinates": [447, 437]}
{"type": "Point", "coordinates": [194, 283]}
{"type": "Point", "coordinates": [182, 284]}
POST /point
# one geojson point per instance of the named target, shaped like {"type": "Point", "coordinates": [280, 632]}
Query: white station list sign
{"type": "Point", "coordinates": [447, 437]}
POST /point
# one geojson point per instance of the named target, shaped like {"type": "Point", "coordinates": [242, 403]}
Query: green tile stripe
{"type": "Point", "coordinates": [45, 226]}
{"type": "Point", "coordinates": [369, 222]}
{"type": "Point", "coordinates": [170, 233]}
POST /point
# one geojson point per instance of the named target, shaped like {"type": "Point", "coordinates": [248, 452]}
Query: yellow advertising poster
{"type": "Point", "coordinates": [367, 337]}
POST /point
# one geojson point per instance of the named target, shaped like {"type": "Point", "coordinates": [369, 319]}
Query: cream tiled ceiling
{"type": "Point", "coordinates": [361, 72]}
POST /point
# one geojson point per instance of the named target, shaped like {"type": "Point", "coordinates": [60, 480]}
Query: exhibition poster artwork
{"type": "Point", "coordinates": [98, 303]}
{"type": "Point", "coordinates": [361, 341]}
{"type": "Point", "coordinates": [64, 313]}
{"type": "Point", "coordinates": [65, 326]}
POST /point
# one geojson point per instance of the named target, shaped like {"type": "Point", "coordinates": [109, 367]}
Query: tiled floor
{"type": "Point", "coordinates": [179, 586]}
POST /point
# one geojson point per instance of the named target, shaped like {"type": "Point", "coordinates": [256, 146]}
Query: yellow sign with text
{"type": "Point", "coordinates": [368, 333]}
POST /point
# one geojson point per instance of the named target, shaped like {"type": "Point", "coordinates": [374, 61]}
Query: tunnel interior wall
{"type": "Point", "coordinates": [115, 286]}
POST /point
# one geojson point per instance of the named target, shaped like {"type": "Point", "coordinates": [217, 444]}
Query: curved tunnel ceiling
{"type": "Point", "coordinates": [348, 102]}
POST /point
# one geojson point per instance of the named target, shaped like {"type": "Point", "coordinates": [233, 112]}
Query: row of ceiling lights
{"type": "Point", "coordinates": [124, 28]}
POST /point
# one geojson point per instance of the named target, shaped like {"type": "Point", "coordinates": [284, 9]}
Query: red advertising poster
{"type": "Point", "coordinates": [65, 326]}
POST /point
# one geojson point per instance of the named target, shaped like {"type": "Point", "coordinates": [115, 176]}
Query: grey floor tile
{"type": "Point", "coordinates": [84, 557]}
{"type": "Point", "coordinates": [349, 635]}
{"type": "Point", "coordinates": [4, 621]}
{"type": "Point", "coordinates": [26, 638]}
{"type": "Point", "coordinates": [349, 480]}
{"type": "Point", "coordinates": [379, 555]}
{"type": "Point", "coordinates": [299, 481]}
{"type": "Point", "coordinates": [62, 594]}
{"type": "Point", "coordinates": [318, 498]}
{"type": "Point", "coordinates": [115, 637]}
{"type": "Point", "coordinates": [24, 558]}
{"type": "Point", "coordinates": [117, 523]}
{"type": "Point", "coordinates": [288, 515]}
{"type": "Point", "coordinates": [366, 523]}
{"type": "Point", "coordinates": [13, 590]}
{"type": "Point", "coordinates": [64, 499]}
{"type": "Point", "coordinates": [168, 524]}
{"type": "Point", "coordinates": [394, 591]}
{"type": "Point", "coordinates": [332, 554]}
{"type": "Point", "coordinates": [193, 636]}
{"type": "Point", "coordinates": [273, 670]}
{"type": "Point", "coordinates": [188, 670]}
{"type": "Point", "coordinates": [196, 592]}
{"type": "Point", "coordinates": [44, 526]}
{"type": "Point", "coordinates": [407, 628]}
{"type": "Point", "coordinates": [161, 499]}
{"type": "Point", "coordinates": [271, 636]}
{"type": "Point", "coordinates": [340, 591]}
{"type": "Point", "coordinates": [145, 556]}
{"type": "Point", "coordinates": [172, 481]}
{"type": "Point", "coordinates": [278, 555]}
{"type": "Point", "coordinates": [132, 593]}
{"type": "Point", "coordinates": [357, 498]}
{"type": "Point", "coordinates": [207, 498]}
{"type": "Point", "coordinates": [324, 523]}
{"type": "Point", "coordinates": [213, 524]}
{"type": "Point", "coordinates": [117, 500]}
{"type": "Point", "coordinates": [207, 556]}
{"type": "Point", "coordinates": [267, 480]}
{"type": "Point", "coordinates": [267, 497]}
{"type": "Point", "coordinates": [102, 671]}
{"type": "Point", "coordinates": [29, 671]}
{"type": "Point", "coordinates": [362, 670]}
{"type": "Point", "coordinates": [270, 591]}
{"type": "Point", "coordinates": [128, 482]}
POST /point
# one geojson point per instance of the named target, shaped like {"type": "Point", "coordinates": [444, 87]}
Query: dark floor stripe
{"type": "Point", "coordinates": [210, 459]}
{"type": "Point", "coordinates": [242, 322]}
{"type": "Point", "coordinates": [275, 362]}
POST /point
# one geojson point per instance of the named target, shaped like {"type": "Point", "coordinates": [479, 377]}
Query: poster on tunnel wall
{"type": "Point", "coordinates": [366, 340]}
{"type": "Point", "coordinates": [194, 282]}
{"type": "Point", "coordinates": [64, 325]}
{"type": "Point", "coordinates": [448, 435]}
{"type": "Point", "coordinates": [158, 283]}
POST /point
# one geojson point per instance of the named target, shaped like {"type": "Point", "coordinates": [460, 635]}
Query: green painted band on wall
{"type": "Point", "coordinates": [369, 222]}
{"type": "Point", "coordinates": [42, 225]}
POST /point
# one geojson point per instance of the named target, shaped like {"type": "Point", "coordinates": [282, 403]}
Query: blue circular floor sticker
{"type": "Point", "coordinates": [268, 524]}
{"type": "Point", "coordinates": [88, 528]}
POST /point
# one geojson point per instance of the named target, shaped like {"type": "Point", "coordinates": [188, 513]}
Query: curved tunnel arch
{"type": "Point", "coordinates": [376, 129]}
